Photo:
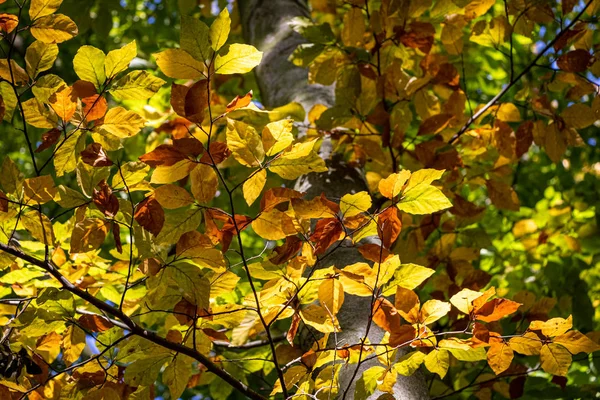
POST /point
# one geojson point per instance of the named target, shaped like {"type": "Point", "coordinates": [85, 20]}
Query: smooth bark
{"type": "Point", "coordinates": [266, 26]}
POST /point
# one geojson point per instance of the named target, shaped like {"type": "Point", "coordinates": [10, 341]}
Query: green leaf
{"type": "Point", "coordinates": [219, 30]}
{"type": "Point", "coordinates": [46, 86]}
{"type": "Point", "coordinates": [239, 59]}
{"type": "Point", "coordinates": [194, 286]}
{"type": "Point", "coordinates": [194, 38]}
{"type": "Point", "coordinates": [39, 116]}
{"type": "Point", "coordinates": [177, 223]}
{"type": "Point", "coordinates": [118, 60]}
{"type": "Point", "coordinates": [423, 199]}
{"type": "Point", "coordinates": [177, 374]}
{"type": "Point", "coordinates": [409, 363]}
{"type": "Point", "coordinates": [89, 65]}
{"type": "Point", "coordinates": [136, 85]}
{"type": "Point", "coordinates": [10, 100]}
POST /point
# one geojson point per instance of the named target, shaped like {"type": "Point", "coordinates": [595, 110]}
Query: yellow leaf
{"type": "Point", "coordinates": [354, 204]}
{"type": "Point", "coordinates": [291, 377]}
{"type": "Point", "coordinates": [273, 225]}
{"type": "Point", "coordinates": [578, 116]}
{"type": "Point", "coordinates": [499, 357]}
{"type": "Point", "coordinates": [121, 123]}
{"type": "Point", "coordinates": [18, 74]}
{"type": "Point", "coordinates": [118, 60]}
{"type": "Point", "coordinates": [65, 159]}
{"type": "Point", "coordinates": [553, 327]}
{"type": "Point", "coordinates": [204, 183]}
{"type": "Point", "coordinates": [423, 199]}
{"type": "Point", "coordinates": [463, 300]}
{"type": "Point", "coordinates": [40, 189]}
{"type": "Point", "coordinates": [239, 59]}
{"type": "Point", "coordinates": [88, 235]}
{"type": "Point", "coordinates": [254, 185]}
{"type": "Point", "coordinates": [555, 142]}
{"type": "Point", "coordinates": [172, 173]}
{"type": "Point", "coordinates": [40, 57]}
{"type": "Point", "coordinates": [423, 176]}
{"type": "Point", "coordinates": [136, 85]}
{"type": "Point", "coordinates": [178, 64]}
{"type": "Point", "coordinates": [355, 279]}
{"type": "Point", "coordinates": [245, 144]}
{"type": "Point", "coordinates": [555, 359]}
{"type": "Point", "coordinates": [172, 196]}
{"type": "Point", "coordinates": [301, 159]}
{"type": "Point", "coordinates": [437, 362]}
{"type": "Point", "coordinates": [319, 318]}
{"type": "Point", "coordinates": [55, 28]}
{"type": "Point", "coordinates": [410, 276]}
{"type": "Point", "coordinates": [39, 116]}
{"type": "Point", "coordinates": [41, 8]}
{"type": "Point", "coordinates": [576, 342]}
{"type": "Point", "coordinates": [39, 226]}
{"type": "Point", "coordinates": [73, 344]}
{"type": "Point", "coordinates": [433, 310]}
{"type": "Point", "coordinates": [276, 136]}
{"type": "Point", "coordinates": [391, 186]}
{"type": "Point", "coordinates": [409, 363]}
{"type": "Point", "coordinates": [529, 344]}
{"type": "Point", "coordinates": [219, 30]}
{"type": "Point", "coordinates": [354, 27]}
{"type": "Point", "coordinates": [331, 295]}
{"type": "Point", "coordinates": [88, 64]}
{"type": "Point", "coordinates": [64, 103]}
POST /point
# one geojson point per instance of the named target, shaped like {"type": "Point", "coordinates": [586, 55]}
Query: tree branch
{"type": "Point", "coordinates": [131, 325]}
{"type": "Point", "coordinates": [514, 81]}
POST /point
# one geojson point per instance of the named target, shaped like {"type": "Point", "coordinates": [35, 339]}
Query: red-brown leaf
{"type": "Point", "coordinates": [95, 156]}
{"type": "Point", "coordinates": [150, 215]}
{"type": "Point", "coordinates": [389, 226]}
{"type": "Point", "coordinates": [287, 251]}
{"type": "Point", "coordinates": [105, 200]}
{"type": "Point", "coordinates": [163, 155]}
{"type": "Point", "coordinates": [48, 139]}
{"type": "Point", "coordinates": [574, 61]}
{"type": "Point", "coordinates": [327, 232]}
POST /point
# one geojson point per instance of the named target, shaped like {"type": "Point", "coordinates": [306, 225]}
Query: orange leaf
{"type": "Point", "coordinates": [239, 102]}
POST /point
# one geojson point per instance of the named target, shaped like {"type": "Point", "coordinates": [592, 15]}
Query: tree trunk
{"type": "Point", "coordinates": [265, 25]}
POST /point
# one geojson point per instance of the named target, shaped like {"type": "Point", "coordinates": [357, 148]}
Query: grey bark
{"type": "Point", "coordinates": [265, 25]}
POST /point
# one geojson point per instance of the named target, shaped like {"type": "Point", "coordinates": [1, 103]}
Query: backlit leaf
{"type": "Point", "coordinates": [55, 28]}
{"type": "Point", "coordinates": [239, 59]}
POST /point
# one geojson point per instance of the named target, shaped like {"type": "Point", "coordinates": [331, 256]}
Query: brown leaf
{"type": "Point", "coordinates": [291, 333]}
{"type": "Point", "coordinates": [117, 236]}
{"type": "Point", "coordinates": [184, 312]}
{"type": "Point", "coordinates": [402, 335]}
{"type": "Point", "coordinates": [3, 202]}
{"type": "Point", "coordinates": [95, 323]}
{"type": "Point", "coordinates": [503, 196]}
{"type": "Point", "coordinates": [150, 215]}
{"type": "Point", "coordinates": [196, 101]}
{"type": "Point", "coordinates": [48, 139]}
{"type": "Point", "coordinates": [178, 93]}
{"type": "Point", "coordinates": [385, 315]}
{"type": "Point", "coordinates": [215, 335]}
{"type": "Point", "coordinates": [239, 102]}
{"type": "Point", "coordinates": [287, 251]}
{"type": "Point", "coordinates": [189, 146]}
{"type": "Point", "coordinates": [88, 235]}
{"type": "Point", "coordinates": [373, 252]}
{"type": "Point", "coordinates": [524, 138]}
{"type": "Point", "coordinates": [389, 226]}
{"type": "Point", "coordinates": [435, 124]}
{"type": "Point", "coordinates": [95, 156]}
{"type": "Point", "coordinates": [574, 61]}
{"type": "Point", "coordinates": [327, 232]}
{"type": "Point", "coordinates": [164, 154]}
{"type": "Point", "coordinates": [219, 152]}
{"type": "Point", "coordinates": [8, 22]}
{"type": "Point", "coordinates": [105, 200]}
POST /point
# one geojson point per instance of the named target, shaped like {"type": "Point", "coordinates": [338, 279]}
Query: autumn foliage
{"type": "Point", "coordinates": [153, 242]}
